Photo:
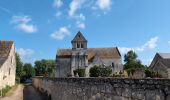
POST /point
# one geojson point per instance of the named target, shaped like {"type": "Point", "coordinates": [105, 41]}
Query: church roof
{"type": "Point", "coordinates": [5, 47]}
{"type": "Point", "coordinates": [166, 62]}
{"type": "Point", "coordinates": [102, 52]}
{"type": "Point", "coordinates": [165, 55]}
{"type": "Point", "coordinates": [79, 38]}
{"type": "Point", "coordinates": [164, 58]}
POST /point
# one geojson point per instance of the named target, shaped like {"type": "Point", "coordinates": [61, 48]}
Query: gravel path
{"type": "Point", "coordinates": [26, 92]}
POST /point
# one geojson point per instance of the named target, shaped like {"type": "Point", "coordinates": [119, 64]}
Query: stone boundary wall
{"type": "Point", "coordinates": [103, 88]}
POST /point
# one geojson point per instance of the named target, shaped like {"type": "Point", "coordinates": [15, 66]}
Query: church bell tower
{"type": "Point", "coordinates": [79, 59]}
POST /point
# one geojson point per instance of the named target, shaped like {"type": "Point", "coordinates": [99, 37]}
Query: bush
{"type": "Point", "coordinates": [152, 74]}
{"type": "Point", "coordinates": [98, 71]}
{"type": "Point", "coordinates": [17, 79]}
{"type": "Point", "coordinates": [81, 72]}
{"type": "Point", "coordinates": [4, 90]}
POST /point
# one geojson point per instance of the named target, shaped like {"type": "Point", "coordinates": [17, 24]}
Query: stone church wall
{"type": "Point", "coordinates": [103, 88]}
{"type": "Point", "coordinates": [8, 70]}
{"type": "Point", "coordinates": [64, 67]}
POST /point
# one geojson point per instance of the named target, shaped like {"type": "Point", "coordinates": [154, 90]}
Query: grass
{"type": "Point", "coordinates": [8, 90]}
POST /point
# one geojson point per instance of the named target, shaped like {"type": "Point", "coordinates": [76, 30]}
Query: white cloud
{"type": "Point", "coordinates": [80, 25]}
{"type": "Point", "coordinates": [5, 10]}
{"type": "Point", "coordinates": [27, 28]}
{"type": "Point", "coordinates": [151, 44]}
{"type": "Point", "coordinates": [82, 17]}
{"type": "Point", "coordinates": [169, 42]}
{"type": "Point", "coordinates": [25, 54]}
{"type": "Point", "coordinates": [58, 14]}
{"type": "Point", "coordinates": [61, 33]}
{"type": "Point", "coordinates": [104, 4]}
{"type": "Point", "coordinates": [24, 23]}
{"type": "Point", "coordinates": [80, 21]}
{"type": "Point", "coordinates": [74, 6]}
{"type": "Point", "coordinates": [58, 3]}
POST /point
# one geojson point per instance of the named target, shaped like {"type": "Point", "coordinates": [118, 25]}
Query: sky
{"type": "Point", "coordinates": [40, 27]}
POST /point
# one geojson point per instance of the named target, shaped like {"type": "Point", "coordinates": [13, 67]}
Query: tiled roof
{"type": "Point", "coordinates": [166, 62]}
{"type": "Point", "coordinates": [5, 47]}
{"type": "Point", "coordinates": [102, 52]}
{"type": "Point", "coordinates": [64, 52]}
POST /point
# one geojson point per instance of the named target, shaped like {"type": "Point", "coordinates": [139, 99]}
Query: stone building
{"type": "Point", "coordinates": [7, 63]}
{"type": "Point", "coordinates": [161, 64]}
{"type": "Point", "coordinates": [80, 56]}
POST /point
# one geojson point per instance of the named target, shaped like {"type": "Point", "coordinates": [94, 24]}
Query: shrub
{"type": "Point", "coordinates": [152, 74]}
{"type": "Point", "coordinates": [17, 79]}
{"type": "Point", "coordinates": [5, 90]}
{"type": "Point", "coordinates": [98, 71]}
{"type": "Point", "coordinates": [81, 72]}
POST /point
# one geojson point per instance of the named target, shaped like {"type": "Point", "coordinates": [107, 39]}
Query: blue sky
{"type": "Point", "coordinates": [40, 27]}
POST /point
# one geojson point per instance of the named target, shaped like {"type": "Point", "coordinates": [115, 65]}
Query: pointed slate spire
{"type": "Point", "coordinates": [79, 38]}
{"type": "Point", "coordinates": [79, 41]}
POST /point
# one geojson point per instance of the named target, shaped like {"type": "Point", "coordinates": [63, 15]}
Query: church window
{"type": "Point", "coordinates": [82, 46]}
{"type": "Point", "coordinates": [113, 65]}
{"type": "Point", "coordinates": [78, 45]}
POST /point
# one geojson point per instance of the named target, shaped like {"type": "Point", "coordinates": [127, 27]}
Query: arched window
{"type": "Point", "coordinates": [78, 45]}
{"type": "Point", "coordinates": [113, 65]}
{"type": "Point", "coordinates": [82, 46]}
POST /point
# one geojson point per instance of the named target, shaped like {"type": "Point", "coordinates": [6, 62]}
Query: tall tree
{"type": "Point", "coordinates": [19, 67]}
{"type": "Point", "coordinates": [131, 56]}
{"type": "Point", "coordinates": [45, 67]}
{"type": "Point", "coordinates": [131, 61]}
{"type": "Point", "coordinates": [29, 70]}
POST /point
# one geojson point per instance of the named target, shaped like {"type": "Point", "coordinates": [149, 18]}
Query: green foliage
{"type": "Point", "coordinates": [81, 72]}
{"type": "Point", "coordinates": [152, 74]}
{"type": "Point", "coordinates": [23, 71]}
{"type": "Point", "coordinates": [130, 56]}
{"type": "Point", "coordinates": [44, 67]}
{"type": "Point", "coordinates": [97, 71]}
{"type": "Point", "coordinates": [19, 66]}
{"type": "Point", "coordinates": [5, 90]}
{"type": "Point", "coordinates": [28, 70]}
{"type": "Point", "coordinates": [132, 63]}
{"type": "Point", "coordinates": [116, 75]}
{"type": "Point", "coordinates": [17, 79]}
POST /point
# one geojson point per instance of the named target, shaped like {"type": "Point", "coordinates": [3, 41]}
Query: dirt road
{"type": "Point", "coordinates": [24, 92]}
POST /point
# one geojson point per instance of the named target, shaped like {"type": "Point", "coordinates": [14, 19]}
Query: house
{"type": "Point", "coordinates": [161, 64]}
{"type": "Point", "coordinates": [82, 57]}
{"type": "Point", "coordinates": [7, 63]}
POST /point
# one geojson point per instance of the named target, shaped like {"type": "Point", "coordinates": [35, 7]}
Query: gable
{"type": "Point", "coordinates": [79, 38]}
{"type": "Point", "coordinates": [164, 58]}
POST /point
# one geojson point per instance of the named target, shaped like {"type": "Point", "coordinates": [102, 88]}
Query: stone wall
{"type": "Point", "coordinates": [8, 70]}
{"type": "Point", "coordinates": [103, 88]}
{"type": "Point", "coordinates": [63, 67]}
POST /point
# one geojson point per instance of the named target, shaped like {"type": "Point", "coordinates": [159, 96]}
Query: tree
{"type": "Point", "coordinates": [45, 67]}
{"type": "Point", "coordinates": [131, 56]}
{"type": "Point", "coordinates": [131, 62]}
{"type": "Point", "coordinates": [29, 70]}
{"type": "Point", "coordinates": [19, 68]}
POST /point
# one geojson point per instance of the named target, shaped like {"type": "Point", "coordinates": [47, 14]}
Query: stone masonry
{"type": "Point", "coordinates": [103, 88]}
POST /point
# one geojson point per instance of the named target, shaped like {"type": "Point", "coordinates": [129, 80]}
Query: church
{"type": "Point", "coordinates": [82, 57]}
